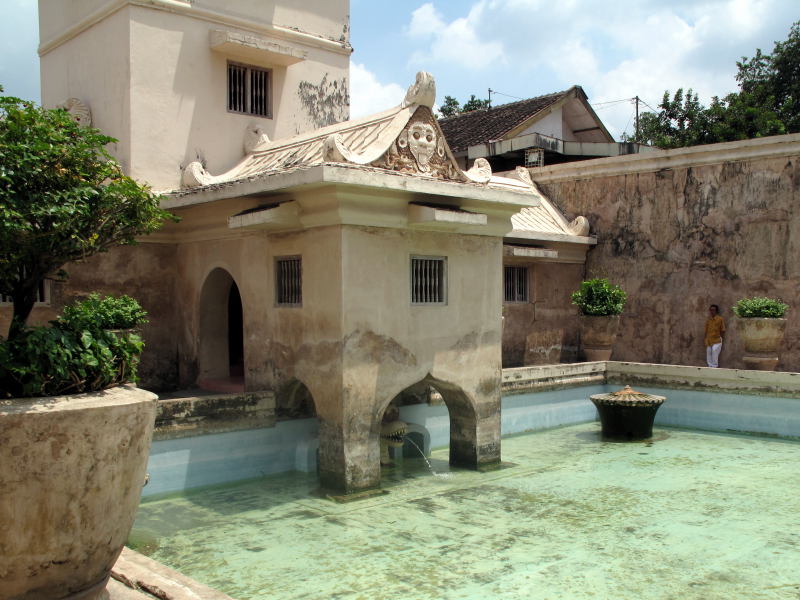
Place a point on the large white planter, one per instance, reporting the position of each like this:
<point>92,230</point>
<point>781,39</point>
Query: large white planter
<point>762,341</point>
<point>597,336</point>
<point>71,474</point>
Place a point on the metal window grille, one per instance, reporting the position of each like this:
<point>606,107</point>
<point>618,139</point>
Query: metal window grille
<point>289,281</point>
<point>428,280</point>
<point>534,157</point>
<point>42,295</point>
<point>515,282</point>
<point>248,90</point>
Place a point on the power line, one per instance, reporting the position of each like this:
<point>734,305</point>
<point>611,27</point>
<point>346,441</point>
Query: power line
<point>611,101</point>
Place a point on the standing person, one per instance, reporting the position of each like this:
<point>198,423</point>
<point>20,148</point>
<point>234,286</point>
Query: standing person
<point>715,327</point>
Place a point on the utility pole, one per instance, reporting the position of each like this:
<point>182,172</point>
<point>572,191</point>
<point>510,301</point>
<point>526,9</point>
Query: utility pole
<point>490,98</point>
<point>636,126</point>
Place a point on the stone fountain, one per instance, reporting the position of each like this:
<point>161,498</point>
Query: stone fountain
<point>627,414</point>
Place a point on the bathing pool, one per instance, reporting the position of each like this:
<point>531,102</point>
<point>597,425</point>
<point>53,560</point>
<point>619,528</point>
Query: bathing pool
<point>689,514</point>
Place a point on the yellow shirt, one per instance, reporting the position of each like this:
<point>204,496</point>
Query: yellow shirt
<point>715,327</point>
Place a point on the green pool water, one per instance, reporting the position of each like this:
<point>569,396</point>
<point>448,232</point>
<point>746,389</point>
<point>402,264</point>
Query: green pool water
<point>686,515</point>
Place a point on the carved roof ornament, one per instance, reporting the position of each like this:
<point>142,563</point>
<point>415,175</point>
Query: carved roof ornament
<point>422,92</point>
<point>78,110</point>
<point>255,139</point>
<point>579,226</point>
<point>480,172</point>
<point>420,149</point>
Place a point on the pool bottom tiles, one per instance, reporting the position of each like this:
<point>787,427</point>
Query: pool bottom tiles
<point>687,515</point>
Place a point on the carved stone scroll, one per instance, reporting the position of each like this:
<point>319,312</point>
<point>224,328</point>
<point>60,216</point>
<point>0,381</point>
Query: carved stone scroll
<point>78,110</point>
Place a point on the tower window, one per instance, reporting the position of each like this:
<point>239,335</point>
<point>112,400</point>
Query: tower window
<point>288,281</point>
<point>249,90</point>
<point>515,283</point>
<point>428,280</point>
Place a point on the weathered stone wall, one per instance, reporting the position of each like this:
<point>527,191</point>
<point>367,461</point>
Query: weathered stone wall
<point>145,272</point>
<point>543,330</point>
<point>683,229</point>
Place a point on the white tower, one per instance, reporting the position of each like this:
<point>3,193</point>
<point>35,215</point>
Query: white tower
<point>181,80</point>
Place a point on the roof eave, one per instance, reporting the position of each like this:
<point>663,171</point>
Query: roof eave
<point>325,174</point>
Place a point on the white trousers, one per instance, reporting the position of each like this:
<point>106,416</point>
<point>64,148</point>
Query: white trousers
<point>712,354</point>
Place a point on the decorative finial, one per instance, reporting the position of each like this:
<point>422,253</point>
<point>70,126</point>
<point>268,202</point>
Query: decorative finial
<point>422,92</point>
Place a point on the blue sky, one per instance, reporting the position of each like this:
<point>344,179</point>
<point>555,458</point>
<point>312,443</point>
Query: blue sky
<point>520,48</point>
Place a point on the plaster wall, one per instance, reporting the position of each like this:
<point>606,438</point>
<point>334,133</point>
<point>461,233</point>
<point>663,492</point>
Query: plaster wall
<point>152,79</point>
<point>280,343</point>
<point>682,229</point>
<point>543,330</point>
<point>145,272</point>
<point>94,67</point>
<point>551,125</point>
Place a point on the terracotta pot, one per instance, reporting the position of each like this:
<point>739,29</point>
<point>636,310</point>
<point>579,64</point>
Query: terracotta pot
<point>597,336</point>
<point>762,339</point>
<point>71,474</point>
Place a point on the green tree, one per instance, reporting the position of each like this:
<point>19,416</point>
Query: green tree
<point>767,103</point>
<point>450,107</point>
<point>474,104</point>
<point>62,198</point>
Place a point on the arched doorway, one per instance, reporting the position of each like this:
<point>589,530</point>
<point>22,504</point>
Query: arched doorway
<point>221,340</point>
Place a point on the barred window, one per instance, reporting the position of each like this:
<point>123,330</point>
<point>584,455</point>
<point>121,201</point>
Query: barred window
<point>288,281</point>
<point>515,283</point>
<point>248,90</point>
<point>42,295</point>
<point>428,280</point>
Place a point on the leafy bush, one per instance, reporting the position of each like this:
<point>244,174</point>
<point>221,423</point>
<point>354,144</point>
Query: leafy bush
<point>105,313</point>
<point>748,308</point>
<point>75,353</point>
<point>599,297</point>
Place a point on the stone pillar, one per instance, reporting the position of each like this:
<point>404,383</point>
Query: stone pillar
<point>349,457</point>
<point>475,442</point>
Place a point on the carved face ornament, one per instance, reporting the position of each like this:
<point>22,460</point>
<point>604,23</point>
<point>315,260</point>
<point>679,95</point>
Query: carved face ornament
<point>422,142</point>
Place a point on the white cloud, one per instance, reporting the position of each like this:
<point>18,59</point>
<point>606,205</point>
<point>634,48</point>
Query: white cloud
<point>456,42</point>
<point>614,50</point>
<point>368,95</point>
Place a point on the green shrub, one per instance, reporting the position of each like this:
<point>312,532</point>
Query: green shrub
<point>748,308</point>
<point>76,353</point>
<point>122,312</point>
<point>598,297</point>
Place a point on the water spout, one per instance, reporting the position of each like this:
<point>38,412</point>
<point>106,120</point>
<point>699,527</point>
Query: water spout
<point>427,462</point>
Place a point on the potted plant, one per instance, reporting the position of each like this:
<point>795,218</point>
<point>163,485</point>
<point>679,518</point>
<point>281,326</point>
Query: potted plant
<point>73,441</point>
<point>761,324</point>
<point>600,303</point>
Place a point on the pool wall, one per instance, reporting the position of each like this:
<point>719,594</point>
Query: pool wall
<point>534,398</point>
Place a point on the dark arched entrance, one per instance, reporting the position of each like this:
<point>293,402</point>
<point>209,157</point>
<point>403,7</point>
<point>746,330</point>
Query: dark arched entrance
<point>221,343</point>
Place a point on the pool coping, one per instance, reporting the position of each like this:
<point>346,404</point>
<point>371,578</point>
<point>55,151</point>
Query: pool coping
<point>520,380</point>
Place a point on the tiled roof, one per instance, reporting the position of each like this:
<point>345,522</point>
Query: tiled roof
<point>492,124</point>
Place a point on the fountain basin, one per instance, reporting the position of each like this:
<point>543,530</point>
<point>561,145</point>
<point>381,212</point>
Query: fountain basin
<point>627,414</point>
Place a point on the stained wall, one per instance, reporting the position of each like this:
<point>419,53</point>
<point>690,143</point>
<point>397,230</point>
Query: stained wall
<point>682,229</point>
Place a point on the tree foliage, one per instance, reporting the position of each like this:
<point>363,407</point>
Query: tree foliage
<point>62,198</point>
<point>767,103</point>
<point>451,107</point>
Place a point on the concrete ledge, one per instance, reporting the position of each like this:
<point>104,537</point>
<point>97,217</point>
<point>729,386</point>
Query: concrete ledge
<point>199,413</point>
<point>545,377</point>
<point>758,148</point>
<point>137,573</point>
<point>736,381</point>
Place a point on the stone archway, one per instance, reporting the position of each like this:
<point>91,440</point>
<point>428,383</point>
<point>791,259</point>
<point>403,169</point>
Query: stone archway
<point>221,334</point>
<point>473,438</point>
